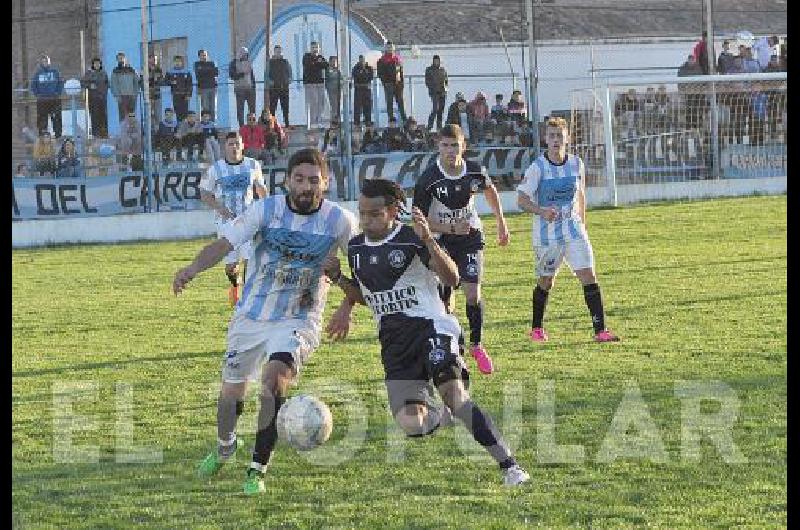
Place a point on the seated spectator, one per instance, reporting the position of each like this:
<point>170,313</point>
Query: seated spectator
<point>210,142</point>
<point>190,135</point>
<point>252,137</point>
<point>500,119</point>
<point>22,170</point>
<point>68,163</point>
<point>44,154</point>
<point>749,63</point>
<point>372,142</point>
<point>275,139</point>
<point>517,110</point>
<point>774,65</point>
<point>478,111</point>
<point>457,114</point>
<point>129,146</point>
<point>395,137</point>
<point>165,140</point>
<point>330,142</point>
<point>417,136</point>
<point>526,134</point>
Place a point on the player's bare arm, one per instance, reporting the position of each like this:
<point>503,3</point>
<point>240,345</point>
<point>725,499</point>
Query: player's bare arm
<point>261,190</point>
<point>214,204</point>
<point>441,262</point>
<point>493,199</point>
<point>582,199</point>
<point>525,203</point>
<point>207,258</point>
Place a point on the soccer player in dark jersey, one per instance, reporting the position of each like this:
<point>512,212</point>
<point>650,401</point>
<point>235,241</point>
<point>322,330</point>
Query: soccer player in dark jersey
<point>444,193</point>
<point>396,270</point>
<point>554,192</point>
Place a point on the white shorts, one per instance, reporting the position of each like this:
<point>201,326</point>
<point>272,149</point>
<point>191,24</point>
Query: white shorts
<point>576,252</point>
<point>252,342</point>
<point>245,251</point>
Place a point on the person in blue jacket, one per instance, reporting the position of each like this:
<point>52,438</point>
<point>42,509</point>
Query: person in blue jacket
<point>47,87</point>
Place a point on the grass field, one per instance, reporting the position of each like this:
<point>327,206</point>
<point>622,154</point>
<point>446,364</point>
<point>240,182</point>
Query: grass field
<point>697,290</point>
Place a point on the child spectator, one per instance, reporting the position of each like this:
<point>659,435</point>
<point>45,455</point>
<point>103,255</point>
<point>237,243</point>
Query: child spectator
<point>44,154</point>
<point>165,140</point>
<point>212,148</point>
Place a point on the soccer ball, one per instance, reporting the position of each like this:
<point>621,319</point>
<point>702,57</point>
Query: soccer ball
<point>304,422</point>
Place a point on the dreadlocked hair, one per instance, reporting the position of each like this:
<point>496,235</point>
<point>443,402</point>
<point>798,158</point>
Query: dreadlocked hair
<point>392,193</point>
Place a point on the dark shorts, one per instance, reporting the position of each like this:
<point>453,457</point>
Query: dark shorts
<point>416,358</point>
<point>467,252</point>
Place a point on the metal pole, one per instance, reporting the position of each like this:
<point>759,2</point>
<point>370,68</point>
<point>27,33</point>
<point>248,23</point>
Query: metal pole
<point>611,163</point>
<point>267,48</point>
<point>347,129</point>
<point>85,92</point>
<point>146,125</point>
<point>715,154</point>
<point>533,76</point>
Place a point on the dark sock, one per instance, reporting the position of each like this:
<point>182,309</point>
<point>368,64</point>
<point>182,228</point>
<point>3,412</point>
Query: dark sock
<point>484,432</point>
<point>232,277</point>
<point>594,301</point>
<point>475,317</point>
<point>445,292</point>
<point>267,434</point>
<point>539,305</point>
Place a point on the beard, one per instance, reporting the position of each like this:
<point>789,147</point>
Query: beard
<point>306,202</point>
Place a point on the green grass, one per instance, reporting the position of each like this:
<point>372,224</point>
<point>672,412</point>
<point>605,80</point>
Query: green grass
<point>696,289</point>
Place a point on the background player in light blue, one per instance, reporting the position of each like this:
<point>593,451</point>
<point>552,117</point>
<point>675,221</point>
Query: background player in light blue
<point>554,190</point>
<point>278,319</point>
<point>227,187</point>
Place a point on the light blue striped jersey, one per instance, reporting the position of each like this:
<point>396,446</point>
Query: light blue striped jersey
<point>232,184</point>
<point>284,275</point>
<point>557,185</point>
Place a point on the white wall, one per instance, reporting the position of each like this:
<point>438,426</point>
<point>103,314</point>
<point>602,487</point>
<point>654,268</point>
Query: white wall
<point>192,224</point>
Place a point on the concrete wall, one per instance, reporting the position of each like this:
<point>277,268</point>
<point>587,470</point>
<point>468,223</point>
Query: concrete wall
<point>187,225</point>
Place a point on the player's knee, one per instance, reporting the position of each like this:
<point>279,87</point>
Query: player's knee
<point>233,391</point>
<point>586,276</point>
<point>454,394</point>
<point>411,418</point>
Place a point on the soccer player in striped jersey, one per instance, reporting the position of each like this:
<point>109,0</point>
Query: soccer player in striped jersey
<point>554,190</point>
<point>445,194</point>
<point>278,319</point>
<point>396,270</point>
<point>227,187</point>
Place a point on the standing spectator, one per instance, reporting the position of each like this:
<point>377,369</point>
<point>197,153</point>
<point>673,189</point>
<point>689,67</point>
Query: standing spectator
<point>457,114</point>
<point>206,73</point>
<point>44,154</point>
<point>154,84</point>
<point>129,143</point>
<point>47,87</point>
<point>244,84</point>
<point>253,137</point>
<point>478,111</point>
<point>517,110</point>
<point>179,79</point>
<point>165,140</point>
<point>390,72</point>
<point>22,170</point>
<point>190,135</point>
<point>68,163</point>
<point>764,48</point>
<point>726,58</point>
<point>280,76</point>
<point>314,66</point>
<point>212,147</point>
<point>125,85</point>
<point>500,119</point>
<point>700,54</point>
<point>691,92</point>
<point>275,138</point>
<point>363,75</point>
<point>333,86</point>
<point>95,81</point>
<point>748,63</point>
<point>663,105</point>
<point>436,81</point>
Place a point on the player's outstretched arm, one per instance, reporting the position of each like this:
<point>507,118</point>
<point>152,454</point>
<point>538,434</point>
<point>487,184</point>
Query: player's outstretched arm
<point>207,258</point>
<point>440,263</point>
<point>493,198</point>
<point>526,204</point>
<point>214,204</point>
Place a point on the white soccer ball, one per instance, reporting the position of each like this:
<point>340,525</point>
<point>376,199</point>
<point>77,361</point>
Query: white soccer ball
<point>304,422</point>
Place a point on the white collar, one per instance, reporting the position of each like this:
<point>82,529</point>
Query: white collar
<point>446,175</point>
<point>391,235</point>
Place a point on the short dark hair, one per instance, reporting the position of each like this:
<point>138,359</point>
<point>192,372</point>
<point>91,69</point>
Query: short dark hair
<point>451,130</point>
<point>392,193</point>
<point>200,51</point>
<point>232,134</point>
<point>177,57</point>
<point>309,155</point>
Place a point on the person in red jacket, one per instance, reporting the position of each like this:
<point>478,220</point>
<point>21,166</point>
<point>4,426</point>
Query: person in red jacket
<point>253,137</point>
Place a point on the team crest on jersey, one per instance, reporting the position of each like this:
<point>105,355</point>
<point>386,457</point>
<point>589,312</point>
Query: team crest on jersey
<point>474,185</point>
<point>373,260</point>
<point>437,355</point>
<point>397,259</point>
<point>472,269</point>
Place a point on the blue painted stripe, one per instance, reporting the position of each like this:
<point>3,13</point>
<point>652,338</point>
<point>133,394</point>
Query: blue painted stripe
<point>269,208</point>
<point>266,284</point>
<point>282,301</point>
<point>543,237</point>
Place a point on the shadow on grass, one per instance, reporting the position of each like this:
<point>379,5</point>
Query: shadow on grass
<point>113,364</point>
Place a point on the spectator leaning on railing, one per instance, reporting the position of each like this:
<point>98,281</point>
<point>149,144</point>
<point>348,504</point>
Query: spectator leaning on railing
<point>95,81</point>
<point>726,58</point>
<point>125,85</point>
<point>68,163</point>
<point>764,48</point>
<point>47,87</point>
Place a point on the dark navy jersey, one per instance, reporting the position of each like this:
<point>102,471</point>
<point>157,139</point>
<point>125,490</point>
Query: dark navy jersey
<point>396,283</point>
<point>446,199</point>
